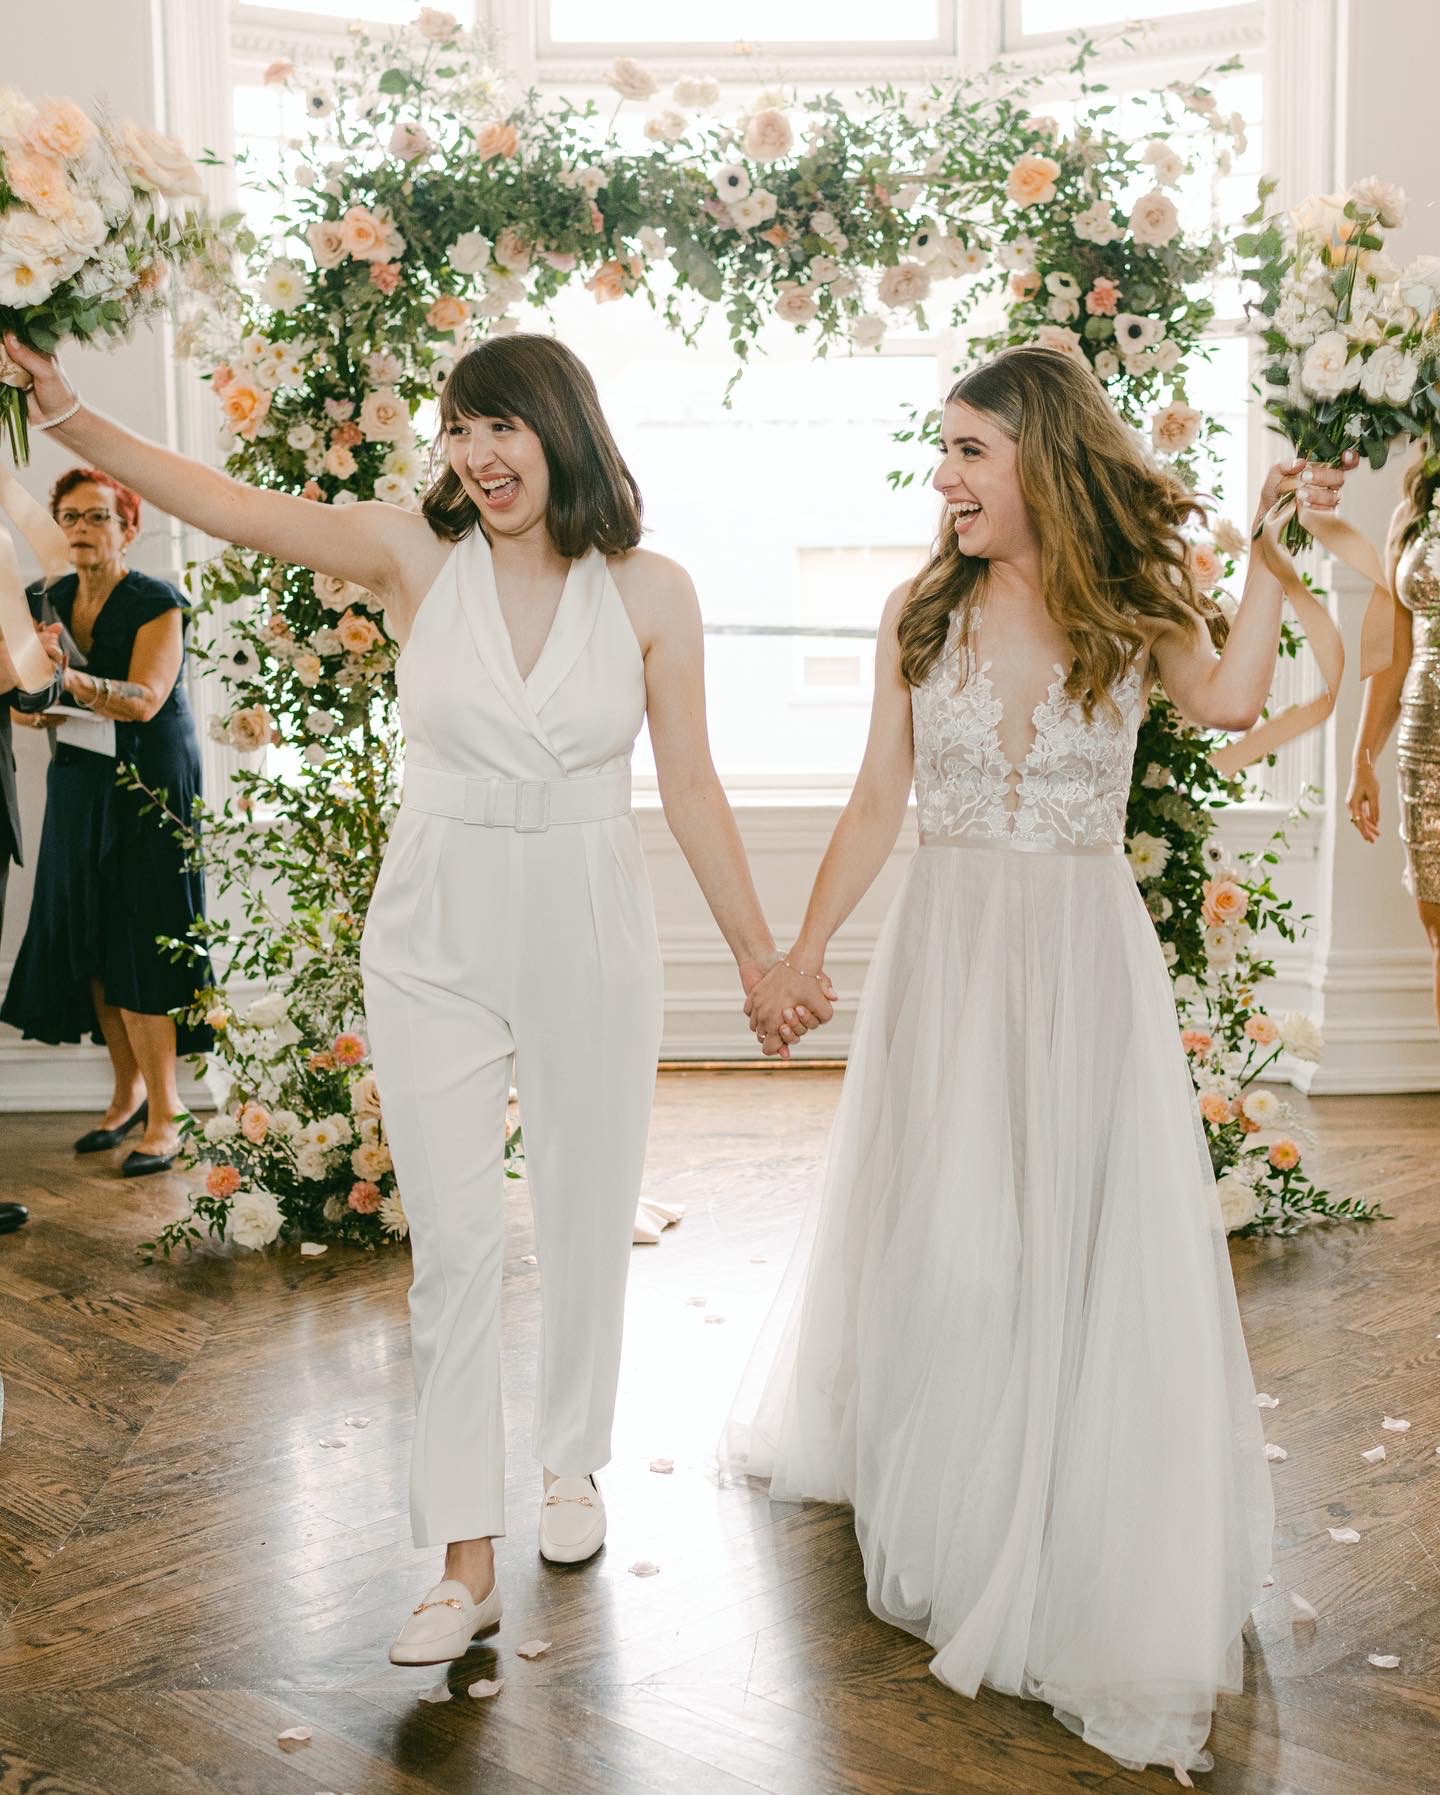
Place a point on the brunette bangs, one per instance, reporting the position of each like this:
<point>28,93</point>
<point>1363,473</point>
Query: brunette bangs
<point>594,500</point>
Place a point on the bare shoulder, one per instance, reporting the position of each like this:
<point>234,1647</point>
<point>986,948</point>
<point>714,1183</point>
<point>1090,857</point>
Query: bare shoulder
<point>645,576</point>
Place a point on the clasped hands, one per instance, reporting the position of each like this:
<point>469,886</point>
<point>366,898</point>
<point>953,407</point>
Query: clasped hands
<point>784,1002</point>
<point>49,635</point>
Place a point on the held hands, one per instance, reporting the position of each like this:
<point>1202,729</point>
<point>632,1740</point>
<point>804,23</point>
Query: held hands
<point>1315,487</point>
<point>50,392</point>
<point>1363,799</point>
<point>785,1003</point>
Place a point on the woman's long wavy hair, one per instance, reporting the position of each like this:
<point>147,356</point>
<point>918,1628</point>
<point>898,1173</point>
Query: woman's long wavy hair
<point>594,501</point>
<point>1417,496</point>
<point>1113,559</point>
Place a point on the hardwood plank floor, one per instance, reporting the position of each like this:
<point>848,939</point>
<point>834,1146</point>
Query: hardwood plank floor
<point>186,1569</point>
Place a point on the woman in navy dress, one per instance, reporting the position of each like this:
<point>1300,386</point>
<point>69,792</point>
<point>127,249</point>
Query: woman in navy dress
<point>111,879</point>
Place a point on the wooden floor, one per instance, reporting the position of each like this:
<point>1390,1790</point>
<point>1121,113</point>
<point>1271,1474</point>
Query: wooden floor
<point>187,1568</point>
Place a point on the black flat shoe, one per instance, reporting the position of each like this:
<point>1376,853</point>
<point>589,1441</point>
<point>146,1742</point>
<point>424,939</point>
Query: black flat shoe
<point>140,1165</point>
<point>101,1140</point>
<point>13,1216</point>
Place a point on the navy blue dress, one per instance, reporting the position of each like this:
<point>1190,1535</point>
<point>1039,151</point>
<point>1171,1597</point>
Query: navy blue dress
<point>109,880</point>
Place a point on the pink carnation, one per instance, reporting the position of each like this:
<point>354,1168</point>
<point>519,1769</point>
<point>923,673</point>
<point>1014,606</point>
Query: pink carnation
<point>222,1182</point>
<point>364,1197</point>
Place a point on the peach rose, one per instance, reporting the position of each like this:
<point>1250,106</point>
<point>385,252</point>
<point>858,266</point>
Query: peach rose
<point>1284,1156</point>
<point>447,313</point>
<point>277,72</point>
<point>363,235</point>
<point>1214,1108</point>
<point>796,305</point>
<point>1154,220</point>
<point>244,407</point>
<point>364,1197</point>
<point>1024,285</point>
<point>1196,1040</point>
<point>436,26</point>
<point>365,1096</point>
<point>1224,903</point>
<point>385,276</point>
<point>250,729</point>
<point>321,1061</point>
<point>371,1159</point>
<point>339,461</point>
<point>496,140</point>
<point>768,136</point>
<point>222,1182</point>
<point>357,634</point>
<point>347,435</point>
<point>1031,182</point>
<point>1262,1029</point>
<point>907,283</point>
<point>158,162</point>
<point>327,242</point>
<point>1204,566</point>
<point>348,1048</point>
<point>254,1123</point>
<point>40,182</point>
<point>607,282</point>
<point>222,376</point>
<point>1062,340</point>
<point>511,251</point>
<point>384,416</point>
<point>59,128</point>
<point>1175,428</point>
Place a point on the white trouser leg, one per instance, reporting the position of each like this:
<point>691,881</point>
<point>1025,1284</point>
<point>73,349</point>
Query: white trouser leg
<point>443,1067</point>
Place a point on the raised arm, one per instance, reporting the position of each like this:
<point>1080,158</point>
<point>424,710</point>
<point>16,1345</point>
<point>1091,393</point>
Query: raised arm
<point>1228,690</point>
<point>861,842</point>
<point>393,553</point>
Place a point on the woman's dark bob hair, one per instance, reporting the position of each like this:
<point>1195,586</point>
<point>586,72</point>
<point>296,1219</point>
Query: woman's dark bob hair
<point>594,501</point>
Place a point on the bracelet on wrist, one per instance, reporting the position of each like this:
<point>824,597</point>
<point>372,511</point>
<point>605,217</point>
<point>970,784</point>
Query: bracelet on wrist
<point>61,417</point>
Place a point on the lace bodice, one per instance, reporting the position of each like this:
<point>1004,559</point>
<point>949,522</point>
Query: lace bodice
<point>1071,789</point>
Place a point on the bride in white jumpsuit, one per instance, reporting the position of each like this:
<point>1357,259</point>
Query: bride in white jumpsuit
<point>512,914</point>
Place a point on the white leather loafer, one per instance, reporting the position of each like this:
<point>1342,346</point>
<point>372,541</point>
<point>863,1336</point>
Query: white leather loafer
<point>572,1520</point>
<point>444,1624</point>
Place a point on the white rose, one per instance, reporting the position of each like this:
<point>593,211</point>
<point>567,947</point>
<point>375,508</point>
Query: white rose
<point>1238,1205</point>
<point>1166,355</point>
<point>630,79</point>
<point>158,163</point>
<point>1154,220</point>
<point>867,330</point>
<point>385,417</point>
<point>311,1161</point>
<point>254,1218</point>
<point>1156,777</point>
<point>1301,1036</point>
<point>266,1011</point>
<point>220,1128</point>
<point>1174,428</point>
<point>1061,339</point>
<point>1389,374</point>
<point>668,126</point>
<point>907,283</point>
<point>301,436</point>
<point>1061,309</point>
<point>1386,199</point>
<point>469,253</point>
<point>697,91</point>
<point>1326,370</point>
<point>768,136</point>
<point>796,305</point>
<point>1107,364</point>
<point>1095,224</point>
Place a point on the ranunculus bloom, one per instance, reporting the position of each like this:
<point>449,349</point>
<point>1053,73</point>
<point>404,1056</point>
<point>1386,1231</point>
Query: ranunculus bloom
<point>348,1048</point>
<point>385,276</point>
<point>1214,1108</point>
<point>222,1182</point>
<point>364,1197</point>
<point>496,140</point>
<point>1262,1028</point>
<point>254,1123</point>
<point>1284,1155</point>
<point>1031,182</point>
<point>447,313</point>
<point>1196,1040</point>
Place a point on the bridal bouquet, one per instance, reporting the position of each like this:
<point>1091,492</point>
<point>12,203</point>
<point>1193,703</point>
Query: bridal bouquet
<point>1342,325</point>
<point>94,218</point>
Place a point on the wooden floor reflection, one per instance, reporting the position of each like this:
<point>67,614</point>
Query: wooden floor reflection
<point>186,1570</point>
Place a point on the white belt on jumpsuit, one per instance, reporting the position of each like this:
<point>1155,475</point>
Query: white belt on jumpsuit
<point>526,805</point>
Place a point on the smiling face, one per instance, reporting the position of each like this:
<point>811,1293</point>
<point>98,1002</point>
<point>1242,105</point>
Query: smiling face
<point>979,479</point>
<point>93,544</point>
<point>501,464</point>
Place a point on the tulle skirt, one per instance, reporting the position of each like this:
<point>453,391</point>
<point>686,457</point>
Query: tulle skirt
<point>1008,1337</point>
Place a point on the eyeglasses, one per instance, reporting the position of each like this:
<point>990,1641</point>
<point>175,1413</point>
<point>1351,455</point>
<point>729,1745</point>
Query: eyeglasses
<point>67,520</point>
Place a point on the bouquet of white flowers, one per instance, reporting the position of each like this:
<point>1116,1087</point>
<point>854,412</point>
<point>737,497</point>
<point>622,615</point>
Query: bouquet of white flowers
<point>94,217</point>
<point>1342,325</point>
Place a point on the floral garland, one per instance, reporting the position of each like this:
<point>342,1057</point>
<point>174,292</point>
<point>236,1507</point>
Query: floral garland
<point>425,206</point>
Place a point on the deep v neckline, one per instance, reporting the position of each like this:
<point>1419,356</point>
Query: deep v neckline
<point>1046,708</point>
<point>528,679</point>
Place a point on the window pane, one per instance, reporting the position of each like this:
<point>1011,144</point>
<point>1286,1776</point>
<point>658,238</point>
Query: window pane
<point>373,12</point>
<point>776,21</point>
<point>1037,16</point>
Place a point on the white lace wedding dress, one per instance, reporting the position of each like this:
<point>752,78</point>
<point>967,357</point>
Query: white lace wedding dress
<point>1009,1335</point>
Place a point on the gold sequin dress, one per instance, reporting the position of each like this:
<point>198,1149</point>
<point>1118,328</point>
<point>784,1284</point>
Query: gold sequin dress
<point>1418,751</point>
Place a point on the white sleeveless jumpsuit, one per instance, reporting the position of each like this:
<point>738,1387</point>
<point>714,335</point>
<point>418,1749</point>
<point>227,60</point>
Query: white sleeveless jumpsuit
<point>513,915</point>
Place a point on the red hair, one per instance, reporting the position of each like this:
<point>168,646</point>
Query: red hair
<point>127,503</point>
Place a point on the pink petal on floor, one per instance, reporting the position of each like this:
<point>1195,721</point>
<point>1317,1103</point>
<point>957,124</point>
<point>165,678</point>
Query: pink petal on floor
<point>644,1567</point>
<point>1304,1611</point>
<point>1344,1536</point>
<point>1262,1401</point>
<point>1181,1778</point>
<point>1275,1453</point>
<point>293,1738</point>
<point>1384,1660</point>
<point>1375,1454</point>
<point>713,1319</point>
<point>331,1441</point>
<point>1391,1425</point>
<point>485,1688</point>
<point>533,1648</point>
<point>695,1302</point>
<point>1269,1583</point>
<point>663,1465</point>
<point>440,1693</point>
<point>357,1420</point>
<point>529,1259</point>
<point>757,1258</point>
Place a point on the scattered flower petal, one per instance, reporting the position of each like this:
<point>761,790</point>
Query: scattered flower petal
<point>1375,1454</point>
<point>714,1319</point>
<point>529,1259</point>
<point>1275,1453</point>
<point>1304,1611</point>
<point>1384,1660</point>
<point>357,1420</point>
<point>440,1693</point>
<point>1344,1536</point>
<point>666,1465</point>
<point>1262,1401</point>
<point>695,1302</point>
<point>644,1567</point>
<point>1391,1425</point>
<point>1269,1583</point>
<point>1181,1777</point>
<point>312,1249</point>
<point>485,1688</point>
<point>757,1258</point>
<point>293,1738</point>
<point>332,1442</point>
<point>533,1648</point>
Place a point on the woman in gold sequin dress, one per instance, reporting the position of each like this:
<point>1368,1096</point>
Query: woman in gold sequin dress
<point>1408,692</point>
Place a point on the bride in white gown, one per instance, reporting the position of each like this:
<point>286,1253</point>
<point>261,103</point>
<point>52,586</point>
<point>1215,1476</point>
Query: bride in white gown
<point>1009,1338</point>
